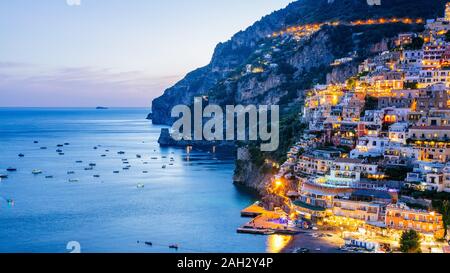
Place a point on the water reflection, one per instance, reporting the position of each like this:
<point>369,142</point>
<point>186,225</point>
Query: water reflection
<point>276,243</point>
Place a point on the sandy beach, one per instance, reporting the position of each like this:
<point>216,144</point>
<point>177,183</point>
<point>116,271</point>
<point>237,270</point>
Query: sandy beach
<point>329,243</point>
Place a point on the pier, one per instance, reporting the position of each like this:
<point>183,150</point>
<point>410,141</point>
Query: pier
<point>265,222</point>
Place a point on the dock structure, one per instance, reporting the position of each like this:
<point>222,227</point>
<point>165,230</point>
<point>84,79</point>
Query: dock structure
<point>264,222</point>
<point>253,211</point>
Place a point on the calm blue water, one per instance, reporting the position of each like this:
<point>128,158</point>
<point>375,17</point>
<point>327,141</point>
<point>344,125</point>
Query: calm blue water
<point>192,203</point>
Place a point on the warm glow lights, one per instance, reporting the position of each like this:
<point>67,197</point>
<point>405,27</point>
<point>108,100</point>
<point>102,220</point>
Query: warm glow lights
<point>276,243</point>
<point>304,30</point>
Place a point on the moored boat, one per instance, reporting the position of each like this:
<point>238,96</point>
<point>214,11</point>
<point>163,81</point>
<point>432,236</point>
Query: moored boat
<point>36,171</point>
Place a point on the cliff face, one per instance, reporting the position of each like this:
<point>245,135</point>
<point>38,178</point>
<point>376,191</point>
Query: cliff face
<point>248,174</point>
<point>235,53</point>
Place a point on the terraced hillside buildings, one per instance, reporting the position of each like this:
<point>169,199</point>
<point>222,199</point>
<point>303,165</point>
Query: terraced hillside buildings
<point>381,135</point>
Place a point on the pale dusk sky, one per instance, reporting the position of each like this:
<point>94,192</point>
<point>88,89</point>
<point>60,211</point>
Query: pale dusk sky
<point>111,52</point>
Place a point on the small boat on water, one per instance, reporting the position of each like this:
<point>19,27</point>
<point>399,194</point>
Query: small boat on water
<point>3,176</point>
<point>149,243</point>
<point>60,145</point>
<point>21,155</point>
<point>89,169</point>
<point>78,161</point>
<point>11,169</point>
<point>116,172</point>
<point>145,163</point>
<point>144,171</point>
<point>74,180</point>
<point>96,176</point>
<point>71,172</point>
<point>138,156</point>
<point>170,164</point>
<point>174,246</point>
<point>59,151</point>
<point>126,168</point>
<point>121,153</point>
<point>49,177</point>
<point>154,158</point>
<point>35,142</point>
<point>36,171</point>
<point>140,186</point>
<point>95,148</point>
<point>43,148</point>
<point>67,143</point>
<point>92,164</point>
<point>103,155</point>
<point>164,166</point>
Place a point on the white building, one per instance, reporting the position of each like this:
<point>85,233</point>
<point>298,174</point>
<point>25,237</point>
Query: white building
<point>370,146</point>
<point>398,132</point>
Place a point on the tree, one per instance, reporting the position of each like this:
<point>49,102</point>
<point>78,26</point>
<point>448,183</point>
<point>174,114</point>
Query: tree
<point>443,207</point>
<point>410,242</point>
<point>447,36</point>
<point>416,44</point>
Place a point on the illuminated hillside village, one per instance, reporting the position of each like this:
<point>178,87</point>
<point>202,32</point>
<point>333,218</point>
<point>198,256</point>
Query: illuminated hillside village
<point>373,145</point>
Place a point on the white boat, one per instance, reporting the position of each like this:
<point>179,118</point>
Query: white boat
<point>36,171</point>
<point>140,186</point>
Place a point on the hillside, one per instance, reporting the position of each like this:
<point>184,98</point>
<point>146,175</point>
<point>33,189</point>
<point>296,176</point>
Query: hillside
<point>258,66</point>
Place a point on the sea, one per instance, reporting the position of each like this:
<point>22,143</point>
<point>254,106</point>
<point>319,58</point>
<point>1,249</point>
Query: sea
<point>91,199</point>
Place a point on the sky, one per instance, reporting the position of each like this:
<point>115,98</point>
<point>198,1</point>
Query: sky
<point>84,53</point>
